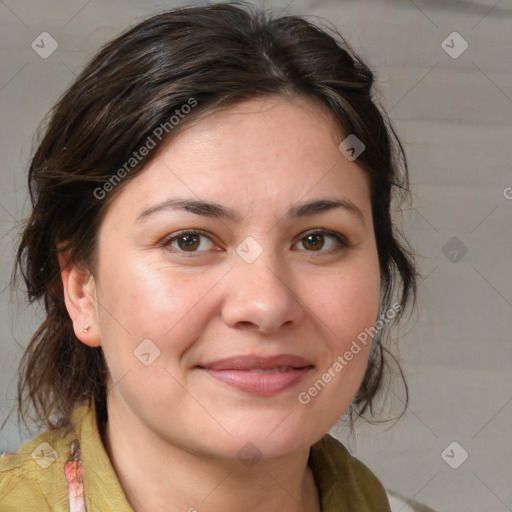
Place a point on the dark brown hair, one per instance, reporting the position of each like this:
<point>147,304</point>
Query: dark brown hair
<point>217,56</point>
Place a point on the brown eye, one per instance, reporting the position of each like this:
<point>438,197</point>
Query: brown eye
<point>187,241</point>
<point>315,241</point>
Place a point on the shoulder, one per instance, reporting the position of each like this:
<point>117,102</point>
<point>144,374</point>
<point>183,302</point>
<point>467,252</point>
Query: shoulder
<point>33,477</point>
<point>400,503</point>
<point>342,473</point>
<point>25,475</point>
<point>345,480</point>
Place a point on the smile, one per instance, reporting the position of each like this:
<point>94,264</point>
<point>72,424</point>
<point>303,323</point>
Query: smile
<point>263,376</point>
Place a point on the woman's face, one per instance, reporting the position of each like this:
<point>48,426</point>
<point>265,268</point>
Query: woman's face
<point>191,324</point>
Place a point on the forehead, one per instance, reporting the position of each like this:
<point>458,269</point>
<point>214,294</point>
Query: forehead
<point>261,151</point>
<point>272,121</point>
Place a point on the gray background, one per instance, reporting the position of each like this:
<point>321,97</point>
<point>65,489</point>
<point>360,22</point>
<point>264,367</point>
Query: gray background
<point>454,116</point>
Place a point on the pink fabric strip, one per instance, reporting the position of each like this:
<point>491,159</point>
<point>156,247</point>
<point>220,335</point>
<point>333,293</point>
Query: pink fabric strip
<point>74,476</point>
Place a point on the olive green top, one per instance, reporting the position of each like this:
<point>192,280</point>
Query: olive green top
<point>43,474</point>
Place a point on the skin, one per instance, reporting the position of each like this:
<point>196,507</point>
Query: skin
<point>174,432</point>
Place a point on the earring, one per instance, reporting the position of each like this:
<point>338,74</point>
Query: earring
<point>86,328</point>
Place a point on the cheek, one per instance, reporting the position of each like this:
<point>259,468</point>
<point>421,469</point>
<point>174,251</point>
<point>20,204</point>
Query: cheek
<point>346,311</point>
<point>349,302</point>
<point>139,301</point>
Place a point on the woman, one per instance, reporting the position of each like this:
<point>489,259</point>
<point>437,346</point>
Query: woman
<point>212,240</point>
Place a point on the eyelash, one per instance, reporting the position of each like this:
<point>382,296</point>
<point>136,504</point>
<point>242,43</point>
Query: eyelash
<point>342,242</point>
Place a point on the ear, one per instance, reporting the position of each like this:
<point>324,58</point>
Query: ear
<point>80,298</point>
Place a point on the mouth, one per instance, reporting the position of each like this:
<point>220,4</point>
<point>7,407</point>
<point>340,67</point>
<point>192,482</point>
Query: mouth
<point>263,376</point>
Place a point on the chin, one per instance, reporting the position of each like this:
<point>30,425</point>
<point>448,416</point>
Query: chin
<point>270,439</point>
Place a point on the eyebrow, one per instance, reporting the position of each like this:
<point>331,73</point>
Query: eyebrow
<point>216,210</point>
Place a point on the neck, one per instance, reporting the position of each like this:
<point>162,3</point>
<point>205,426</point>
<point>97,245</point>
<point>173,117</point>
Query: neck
<point>158,476</point>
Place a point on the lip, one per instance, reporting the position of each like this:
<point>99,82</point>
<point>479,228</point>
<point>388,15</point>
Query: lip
<point>259,375</point>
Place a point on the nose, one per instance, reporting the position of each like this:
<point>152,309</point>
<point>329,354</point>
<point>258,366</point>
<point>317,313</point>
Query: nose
<point>260,296</point>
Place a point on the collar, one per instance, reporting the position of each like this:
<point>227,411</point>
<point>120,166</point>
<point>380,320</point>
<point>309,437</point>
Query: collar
<point>344,483</point>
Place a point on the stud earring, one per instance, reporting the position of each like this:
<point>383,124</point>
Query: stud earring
<point>86,328</point>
